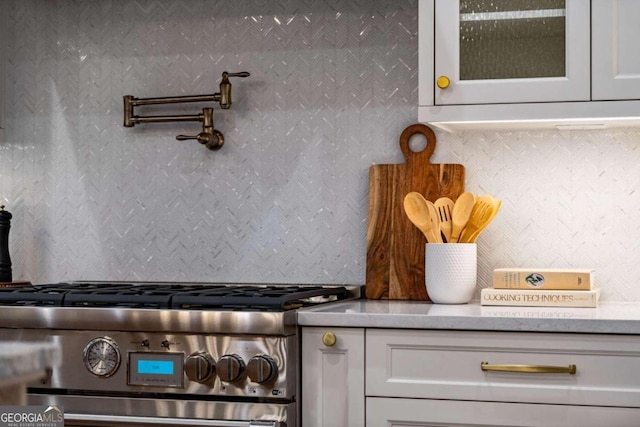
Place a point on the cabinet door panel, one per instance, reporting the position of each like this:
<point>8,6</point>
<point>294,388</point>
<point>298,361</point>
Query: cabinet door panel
<point>333,378</point>
<point>616,57</point>
<point>507,52</point>
<point>448,365</point>
<point>383,412</point>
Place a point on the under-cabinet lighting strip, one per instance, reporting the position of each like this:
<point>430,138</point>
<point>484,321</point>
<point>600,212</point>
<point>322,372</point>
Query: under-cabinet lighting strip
<point>513,14</point>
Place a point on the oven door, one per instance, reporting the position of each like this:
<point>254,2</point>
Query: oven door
<point>79,420</point>
<point>102,411</point>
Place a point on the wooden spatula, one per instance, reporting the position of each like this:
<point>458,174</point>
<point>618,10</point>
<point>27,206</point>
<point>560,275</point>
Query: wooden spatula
<point>460,215</point>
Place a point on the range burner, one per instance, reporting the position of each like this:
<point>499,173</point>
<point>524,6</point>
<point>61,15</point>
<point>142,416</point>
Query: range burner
<point>227,297</point>
<point>227,353</point>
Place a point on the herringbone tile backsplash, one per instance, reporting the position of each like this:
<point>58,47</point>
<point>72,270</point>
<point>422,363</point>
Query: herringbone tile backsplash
<point>333,83</point>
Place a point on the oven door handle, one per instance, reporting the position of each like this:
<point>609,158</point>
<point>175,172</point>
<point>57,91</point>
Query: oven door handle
<point>118,420</point>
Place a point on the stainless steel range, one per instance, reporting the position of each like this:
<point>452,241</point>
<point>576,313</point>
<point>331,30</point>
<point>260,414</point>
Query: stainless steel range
<point>149,354</point>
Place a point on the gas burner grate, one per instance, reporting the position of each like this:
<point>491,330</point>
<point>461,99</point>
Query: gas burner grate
<point>254,298</point>
<point>31,295</point>
<point>222,297</point>
<point>125,297</point>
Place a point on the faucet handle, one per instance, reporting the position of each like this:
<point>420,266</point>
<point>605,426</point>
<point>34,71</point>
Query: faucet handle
<point>213,140</point>
<point>209,137</point>
<point>239,74</point>
<point>225,87</point>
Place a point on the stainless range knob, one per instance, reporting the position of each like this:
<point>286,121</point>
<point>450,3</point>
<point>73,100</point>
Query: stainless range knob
<point>262,369</point>
<point>230,367</point>
<point>199,366</point>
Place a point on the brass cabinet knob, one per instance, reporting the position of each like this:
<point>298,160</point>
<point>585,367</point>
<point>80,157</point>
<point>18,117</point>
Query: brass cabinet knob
<point>443,82</point>
<point>329,339</point>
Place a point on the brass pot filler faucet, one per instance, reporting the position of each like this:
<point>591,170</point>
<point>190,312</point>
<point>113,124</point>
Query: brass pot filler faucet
<point>210,137</point>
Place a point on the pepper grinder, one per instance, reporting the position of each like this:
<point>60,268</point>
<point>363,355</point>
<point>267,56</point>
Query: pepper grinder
<point>5,259</point>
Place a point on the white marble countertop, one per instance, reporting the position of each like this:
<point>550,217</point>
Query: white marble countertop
<point>608,318</point>
<point>19,359</point>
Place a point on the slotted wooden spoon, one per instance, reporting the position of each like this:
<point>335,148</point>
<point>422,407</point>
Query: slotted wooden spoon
<point>495,207</point>
<point>422,213</point>
<point>484,210</point>
<point>444,206</point>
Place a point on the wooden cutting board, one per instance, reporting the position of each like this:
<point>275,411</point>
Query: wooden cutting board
<point>395,247</point>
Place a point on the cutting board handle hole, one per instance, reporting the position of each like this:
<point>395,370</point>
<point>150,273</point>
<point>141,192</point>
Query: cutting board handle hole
<point>417,143</point>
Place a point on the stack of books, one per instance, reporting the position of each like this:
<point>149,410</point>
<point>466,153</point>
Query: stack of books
<point>542,287</point>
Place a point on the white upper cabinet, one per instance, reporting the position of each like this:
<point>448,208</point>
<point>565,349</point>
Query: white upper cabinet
<point>616,66</point>
<point>529,63</point>
<point>511,51</point>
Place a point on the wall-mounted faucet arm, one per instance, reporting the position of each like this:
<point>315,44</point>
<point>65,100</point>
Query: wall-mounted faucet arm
<point>130,119</point>
<point>175,99</point>
<point>164,119</point>
<point>223,97</point>
<point>209,136</point>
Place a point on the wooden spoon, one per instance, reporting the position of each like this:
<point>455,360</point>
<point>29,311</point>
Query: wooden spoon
<point>422,213</point>
<point>460,214</point>
<point>444,206</point>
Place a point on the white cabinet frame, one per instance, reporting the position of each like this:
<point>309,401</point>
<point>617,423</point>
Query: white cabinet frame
<point>572,87</point>
<point>612,76</point>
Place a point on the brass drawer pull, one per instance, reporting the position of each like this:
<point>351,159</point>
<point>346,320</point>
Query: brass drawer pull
<point>532,369</point>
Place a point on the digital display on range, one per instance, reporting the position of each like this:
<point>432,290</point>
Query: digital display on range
<point>159,367</point>
<point>156,369</point>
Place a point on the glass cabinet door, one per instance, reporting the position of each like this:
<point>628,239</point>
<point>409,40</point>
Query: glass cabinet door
<point>502,51</point>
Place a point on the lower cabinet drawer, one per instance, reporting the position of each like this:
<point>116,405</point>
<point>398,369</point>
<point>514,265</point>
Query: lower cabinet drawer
<point>448,365</point>
<point>388,412</point>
